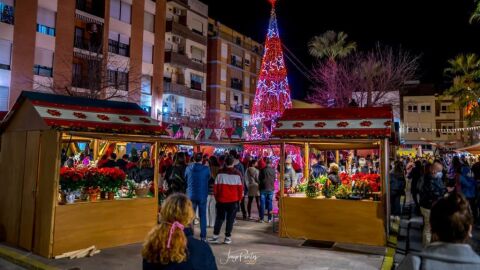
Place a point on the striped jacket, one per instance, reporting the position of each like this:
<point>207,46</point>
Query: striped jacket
<point>228,186</point>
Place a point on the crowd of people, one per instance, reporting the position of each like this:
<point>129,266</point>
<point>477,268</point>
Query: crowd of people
<point>213,189</point>
<point>220,186</point>
<point>445,191</point>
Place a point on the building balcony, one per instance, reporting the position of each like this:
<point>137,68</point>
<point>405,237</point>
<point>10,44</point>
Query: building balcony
<point>182,30</point>
<point>181,2</point>
<point>182,90</point>
<point>180,59</point>
<point>118,48</point>
<point>88,44</point>
<point>236,108</point>
<point>236,63</point>
<point>80,81</point>
<point>7,14</point>
<point>93,7</point>
<point>237,85</point>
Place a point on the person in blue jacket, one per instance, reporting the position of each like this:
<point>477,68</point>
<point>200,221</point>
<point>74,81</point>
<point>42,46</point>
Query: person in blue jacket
<point>171,245</point>
<point>197,176</point>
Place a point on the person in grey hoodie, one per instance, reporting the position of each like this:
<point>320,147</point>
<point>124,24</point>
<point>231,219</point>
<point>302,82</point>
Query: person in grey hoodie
<point>451,221</point>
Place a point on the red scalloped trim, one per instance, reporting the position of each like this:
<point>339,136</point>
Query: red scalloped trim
<point>103,117</point>
<point>366,123</point>
<point>80,115</point>
<point>54,112</point>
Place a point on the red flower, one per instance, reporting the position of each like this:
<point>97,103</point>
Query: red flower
<point>298,124</point>
<point>103,117</point>
<point>387,123</point>
<point>124,118</point>
<point>366,123</point>
<point>54,112</point>
<point>278,125</point>
<point>79,115</point>
<point>342,124</point>
<point>320,124</point>
<point>144,119</point>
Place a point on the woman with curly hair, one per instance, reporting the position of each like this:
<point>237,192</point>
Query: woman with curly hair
<point>171,245</point>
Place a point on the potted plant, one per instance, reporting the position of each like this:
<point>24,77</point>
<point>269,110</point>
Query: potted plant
<point>71,180</point>
<point>92,193</point>
<point>313,187</point>
<point>113,179</point>
<point>93,180</point>
<point>343,192</point>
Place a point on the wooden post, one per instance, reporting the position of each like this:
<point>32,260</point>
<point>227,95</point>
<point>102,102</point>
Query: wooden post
<point>384,165</point>
<point>337,156</point>
<point>281,208</point>
<point>306,156</point>
<point>95,149</point>
<point>282,169</point>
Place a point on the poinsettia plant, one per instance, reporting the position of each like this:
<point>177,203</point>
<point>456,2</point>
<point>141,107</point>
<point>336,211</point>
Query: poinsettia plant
<point>71,179</point>
<point>112,179</point>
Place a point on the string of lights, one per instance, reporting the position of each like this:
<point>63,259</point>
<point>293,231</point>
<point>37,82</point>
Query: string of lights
<point>272,95</point>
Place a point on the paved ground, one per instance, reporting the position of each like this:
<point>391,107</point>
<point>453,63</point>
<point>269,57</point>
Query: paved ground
<point>258,246</point>
<point>6,265</point>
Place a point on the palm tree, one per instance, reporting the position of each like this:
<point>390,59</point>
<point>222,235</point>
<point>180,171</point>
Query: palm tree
<point>331,45</point>
<point>466,66</point>
<point>476,13</point>
<point>464,71</point>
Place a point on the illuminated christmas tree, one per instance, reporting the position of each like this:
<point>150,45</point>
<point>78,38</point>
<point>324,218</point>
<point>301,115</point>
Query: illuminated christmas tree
<point>272,95</point>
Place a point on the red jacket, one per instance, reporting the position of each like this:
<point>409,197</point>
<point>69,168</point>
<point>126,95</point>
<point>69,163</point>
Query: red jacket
<point>228,186</point>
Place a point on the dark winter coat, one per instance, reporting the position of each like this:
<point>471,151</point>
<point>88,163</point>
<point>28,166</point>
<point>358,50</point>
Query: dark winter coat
<point>175,177</point>
<point>432,190</point>
<point>267,179</point>
<point>197,176</point>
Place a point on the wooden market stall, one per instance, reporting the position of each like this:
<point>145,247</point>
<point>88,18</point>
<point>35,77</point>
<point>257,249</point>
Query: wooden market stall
<point>337,220</point>
<point>33,133</point>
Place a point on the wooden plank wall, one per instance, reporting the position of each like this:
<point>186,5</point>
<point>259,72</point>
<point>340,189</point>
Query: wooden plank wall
<point>11,181</point>
<point>342,221</point>
<point>46,192</point>
<point>103,223</point>
<point>30,177</point>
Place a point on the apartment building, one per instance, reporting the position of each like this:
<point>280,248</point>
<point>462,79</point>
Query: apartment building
<point>425,109</point>
<point>185,71</point>
<point>234,62</point>
<point>116,46</point>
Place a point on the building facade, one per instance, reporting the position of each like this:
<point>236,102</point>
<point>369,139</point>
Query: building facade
<point>114,47</point>
<point>234,62</point>
<point>424,109</point>
<point>185,71</point>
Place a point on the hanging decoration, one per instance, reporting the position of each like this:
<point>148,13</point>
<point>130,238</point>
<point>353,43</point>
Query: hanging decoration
<point>272,95</point>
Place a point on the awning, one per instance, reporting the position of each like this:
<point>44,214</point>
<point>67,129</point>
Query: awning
<point>83,114</point>
<point>472,149</point>
<point>372,122</point>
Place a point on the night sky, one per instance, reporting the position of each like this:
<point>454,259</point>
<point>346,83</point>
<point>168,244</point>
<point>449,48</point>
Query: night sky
<point>437,30</point>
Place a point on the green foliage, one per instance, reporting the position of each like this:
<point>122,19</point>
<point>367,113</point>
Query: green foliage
<point>476,13</point>
<point>343,191</point>
<point>331,45</point>
<point>464,72</point>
